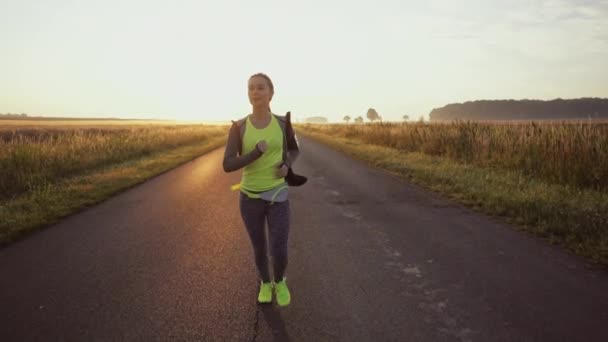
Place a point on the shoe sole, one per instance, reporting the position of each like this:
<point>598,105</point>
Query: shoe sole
<point>265,302</point>
<point>284,304</point>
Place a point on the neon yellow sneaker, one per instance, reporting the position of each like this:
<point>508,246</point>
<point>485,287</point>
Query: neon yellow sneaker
<point>283,295</point>
<point>265,295</point>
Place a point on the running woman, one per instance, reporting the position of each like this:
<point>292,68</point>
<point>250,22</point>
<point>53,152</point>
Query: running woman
<point>264,145</point>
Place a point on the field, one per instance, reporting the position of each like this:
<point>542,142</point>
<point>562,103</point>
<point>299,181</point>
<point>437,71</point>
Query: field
<point>63,123</point>
<point>569,153</point>
<point>33,157</point>
<point>91,123</point>
<point>53,168</point>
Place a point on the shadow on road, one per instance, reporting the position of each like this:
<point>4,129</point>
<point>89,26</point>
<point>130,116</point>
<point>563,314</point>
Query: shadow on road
<point>273,317</point>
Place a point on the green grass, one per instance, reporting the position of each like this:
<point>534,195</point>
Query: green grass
<point>47,202</point>
<point>573,217</point>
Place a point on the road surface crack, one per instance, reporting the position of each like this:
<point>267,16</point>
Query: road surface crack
<point>256,323</point>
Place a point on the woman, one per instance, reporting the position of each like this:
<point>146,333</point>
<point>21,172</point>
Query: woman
<point>265,146</point>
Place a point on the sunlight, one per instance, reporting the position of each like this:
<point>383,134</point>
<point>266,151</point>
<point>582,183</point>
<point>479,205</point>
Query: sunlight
<point>192,61</point>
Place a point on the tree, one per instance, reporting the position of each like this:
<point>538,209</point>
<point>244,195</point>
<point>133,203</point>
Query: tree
<point>406,117</point>
<point>346,118</point>
<point>359,119</point>
<point>372,115</point>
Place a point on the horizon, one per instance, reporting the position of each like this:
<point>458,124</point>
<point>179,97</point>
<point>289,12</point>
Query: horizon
<point>398,57</point>
<point>298,119</point>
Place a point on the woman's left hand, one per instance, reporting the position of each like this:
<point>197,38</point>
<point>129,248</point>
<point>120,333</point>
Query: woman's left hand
<point>282,170</point>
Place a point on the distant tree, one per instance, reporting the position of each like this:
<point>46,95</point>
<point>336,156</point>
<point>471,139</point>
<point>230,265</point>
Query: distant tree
<point>346,118</point>
<point>372,115</point>
<point>406,117</point>
<point>359,119</point>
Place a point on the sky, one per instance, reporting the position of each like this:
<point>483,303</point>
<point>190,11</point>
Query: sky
<point>190,60</point>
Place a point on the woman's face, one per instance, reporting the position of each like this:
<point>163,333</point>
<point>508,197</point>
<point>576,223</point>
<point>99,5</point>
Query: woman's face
<point>259,92</point>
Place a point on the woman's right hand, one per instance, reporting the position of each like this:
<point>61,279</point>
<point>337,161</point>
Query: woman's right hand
<point>261,146</point>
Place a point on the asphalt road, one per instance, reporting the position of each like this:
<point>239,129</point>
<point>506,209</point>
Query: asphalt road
<point>371,258</point>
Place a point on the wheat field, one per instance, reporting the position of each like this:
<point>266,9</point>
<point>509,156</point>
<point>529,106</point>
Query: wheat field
<point>31,157</point>
<point>568,153</point>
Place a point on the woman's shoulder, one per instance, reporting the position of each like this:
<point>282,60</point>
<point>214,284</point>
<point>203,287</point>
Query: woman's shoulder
<point>283,118</point>
<point>241,121</point>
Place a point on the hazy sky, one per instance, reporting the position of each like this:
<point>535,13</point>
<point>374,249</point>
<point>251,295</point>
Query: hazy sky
<point>191,59</point>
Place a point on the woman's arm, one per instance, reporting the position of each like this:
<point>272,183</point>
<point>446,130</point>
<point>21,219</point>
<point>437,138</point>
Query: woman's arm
<point>232,161</point>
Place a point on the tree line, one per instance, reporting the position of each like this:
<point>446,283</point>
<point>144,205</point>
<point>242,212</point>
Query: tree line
<point>11,115</point>
<point>583,108</point>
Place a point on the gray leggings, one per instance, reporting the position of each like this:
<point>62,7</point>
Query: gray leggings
<point>255,212</point>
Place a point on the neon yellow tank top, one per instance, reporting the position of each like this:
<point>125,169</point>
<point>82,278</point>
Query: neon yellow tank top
<point>261,174</point>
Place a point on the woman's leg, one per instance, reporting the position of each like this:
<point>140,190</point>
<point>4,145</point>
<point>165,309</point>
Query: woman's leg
<point>278,228</point>
<point>253,212</point>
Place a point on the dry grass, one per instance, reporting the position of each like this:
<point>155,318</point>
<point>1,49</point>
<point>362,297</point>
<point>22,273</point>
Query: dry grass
<point>33,157</point>
<point>568,153</point>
